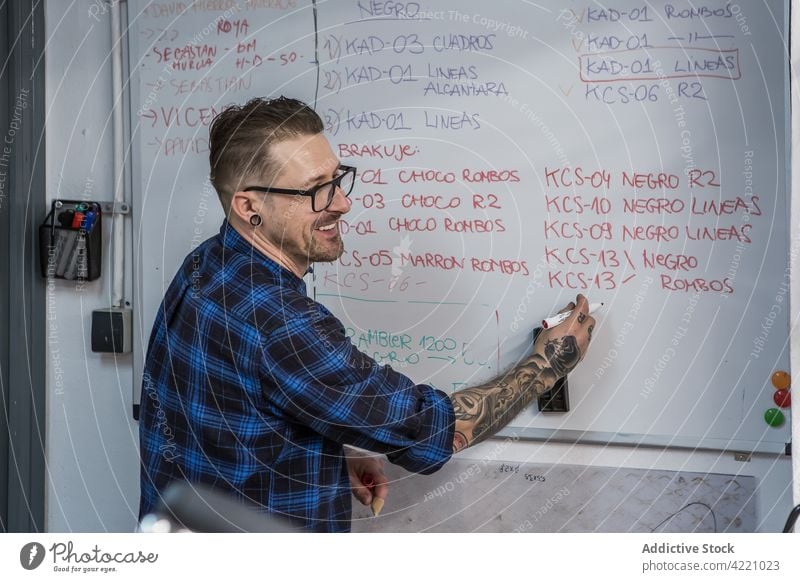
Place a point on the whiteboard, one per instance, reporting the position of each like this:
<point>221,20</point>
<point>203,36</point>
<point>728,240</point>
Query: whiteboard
<point>508,159</point>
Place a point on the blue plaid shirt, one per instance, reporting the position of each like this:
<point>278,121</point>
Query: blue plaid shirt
<point>252,387</point>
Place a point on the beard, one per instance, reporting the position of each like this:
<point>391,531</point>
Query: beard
<point>325,252</point>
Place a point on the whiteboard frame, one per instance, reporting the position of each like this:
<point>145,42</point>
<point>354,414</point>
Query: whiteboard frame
<point>641,440</point>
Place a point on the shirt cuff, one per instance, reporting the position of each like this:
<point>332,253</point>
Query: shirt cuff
<point>433,444</point>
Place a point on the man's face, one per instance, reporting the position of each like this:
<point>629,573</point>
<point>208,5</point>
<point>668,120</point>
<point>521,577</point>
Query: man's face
<point>290,224</point>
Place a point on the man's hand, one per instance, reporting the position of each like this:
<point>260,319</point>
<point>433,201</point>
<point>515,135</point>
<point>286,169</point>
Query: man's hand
<point>367,479</point>
<point>564,345</point>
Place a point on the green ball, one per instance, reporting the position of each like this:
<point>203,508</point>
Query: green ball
<point>774,417</point>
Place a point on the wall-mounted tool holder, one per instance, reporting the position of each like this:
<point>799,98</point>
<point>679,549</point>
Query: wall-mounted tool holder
<point>70,240</point>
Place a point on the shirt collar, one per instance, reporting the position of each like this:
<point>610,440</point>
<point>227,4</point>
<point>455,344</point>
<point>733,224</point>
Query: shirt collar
<point>231,240</point>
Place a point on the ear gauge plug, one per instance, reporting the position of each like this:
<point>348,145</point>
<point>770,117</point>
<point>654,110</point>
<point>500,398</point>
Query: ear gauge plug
<point>255,220</point>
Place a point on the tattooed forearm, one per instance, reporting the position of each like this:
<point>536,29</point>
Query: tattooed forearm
<point>487,408</point>
<point>483,410</point>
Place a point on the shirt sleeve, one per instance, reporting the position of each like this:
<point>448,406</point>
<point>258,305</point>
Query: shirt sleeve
<point>315,375</point>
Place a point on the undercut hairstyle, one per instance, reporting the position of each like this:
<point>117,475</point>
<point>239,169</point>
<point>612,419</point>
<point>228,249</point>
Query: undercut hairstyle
<point>240,140</point>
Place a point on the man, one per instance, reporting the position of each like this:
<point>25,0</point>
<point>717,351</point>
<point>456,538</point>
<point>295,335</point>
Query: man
<point>252,387</point>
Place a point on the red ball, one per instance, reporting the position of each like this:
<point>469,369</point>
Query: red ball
<point>782,398</point>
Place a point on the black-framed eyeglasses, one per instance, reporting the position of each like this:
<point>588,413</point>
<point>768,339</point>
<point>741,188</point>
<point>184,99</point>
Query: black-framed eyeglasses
<point>321,195</point>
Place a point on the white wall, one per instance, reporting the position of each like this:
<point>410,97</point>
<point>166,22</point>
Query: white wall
<point>795,244</point>
<point>91,438</point>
